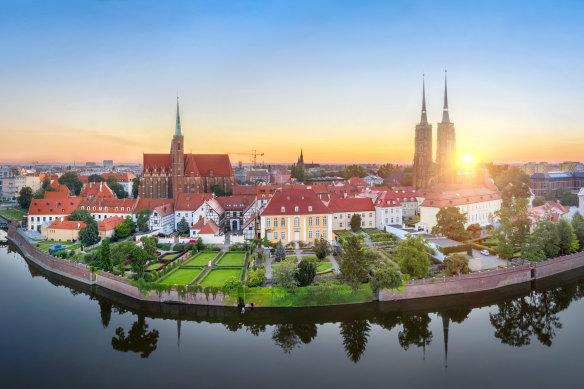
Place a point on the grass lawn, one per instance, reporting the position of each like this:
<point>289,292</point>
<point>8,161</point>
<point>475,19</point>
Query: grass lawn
<point>323,266</point>
<point>201,259</point>
<point>232,259</point>
<point>155,266</point>
<point>181,276</point>
<point>218,277</point>
<point>310,257</point>
<point>292,258</point>
<point>169,256</point>
<point>13,213</point>
<point>74,247</point>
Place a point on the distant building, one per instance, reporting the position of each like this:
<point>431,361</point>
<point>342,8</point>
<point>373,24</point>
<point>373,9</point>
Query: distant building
<point>279,176</point>
<point>108,163</point>
<point>304,165</point>
<point>568,166</point>
<point>90,164</point>
<point>11,186</point>
<point>373,180</point>
<point>257,175</point>
<point>544,183</point>
<point>536,167</point>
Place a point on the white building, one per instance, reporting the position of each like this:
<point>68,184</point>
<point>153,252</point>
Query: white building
<point>343,210</point>
<point>191,206</point>
<point>388,210</point>
<point>373,180</point>
<point>11,186</point>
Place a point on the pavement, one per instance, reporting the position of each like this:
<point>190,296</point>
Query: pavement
<point>489,261</point>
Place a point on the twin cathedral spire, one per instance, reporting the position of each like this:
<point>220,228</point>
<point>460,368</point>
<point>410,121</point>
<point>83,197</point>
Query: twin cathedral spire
<point>445,115</point>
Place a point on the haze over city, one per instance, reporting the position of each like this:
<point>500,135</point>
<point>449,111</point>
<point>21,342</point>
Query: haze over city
<point>86,81</point>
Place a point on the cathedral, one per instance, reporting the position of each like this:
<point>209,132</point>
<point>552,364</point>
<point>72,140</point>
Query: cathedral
<point>426,172</point>
<point>167,175</point>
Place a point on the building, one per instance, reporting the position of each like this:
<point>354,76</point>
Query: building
<point>62,230</point>
<point>373,180</point>
<point>279,176</point>
<point>343,210</point>
<point>108,163</point>
<point>296,215</point>
<point>536,167</point>
<point>191,206</point>
<point>43,212</point>
<point>258,175</point>
<point>106,227</point>
<point>358,183</point>
<point>568,166</point>
<point>105,208</point>
<point>388,210</point>
<point>11,186</point>
<point>161,214</point>
<point>249,227</point>
<point>5,172</point>
<point>237,209</point>
<point>210,233</point>
<point>581,201</point>
<point>423,165</point>
<point>304,165</point>
<point>446,145</point>
<point>550,210</point>
<point>544,183</point>
<point>167,175</point>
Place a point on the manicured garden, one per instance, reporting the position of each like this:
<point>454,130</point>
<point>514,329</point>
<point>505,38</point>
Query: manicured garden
<point>181,276</point>
<point>168,257</point>
<point>323,266</point>
<point>202,259</point>
<point>13,213</point>
<point>233,259</point>
<point>155,266</point>
<point>218,277</point>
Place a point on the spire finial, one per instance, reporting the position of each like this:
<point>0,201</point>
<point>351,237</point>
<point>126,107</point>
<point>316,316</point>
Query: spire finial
<point>424,119</point>
<point>445,116</point>
<point>177,129</point>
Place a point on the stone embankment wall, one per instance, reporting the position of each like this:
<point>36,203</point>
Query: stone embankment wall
<point>81,272</point>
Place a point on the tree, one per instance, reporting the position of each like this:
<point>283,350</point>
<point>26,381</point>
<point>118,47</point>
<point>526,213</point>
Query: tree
<point>386,170</point>
<point>200,245</point>
<point>354,171</point>
<point>450,223</point>
<point>407,179</point>
<point>356,222</point>
<point>123,230</point>
<point>89,235</point>
<point>81,215</point>
<point>105,255</point>
<point>532,252</point>
<point>137,257</point>
<point>138,339</point>
<point>412,254</point>
<point>135,187</point>
<point>218,190</point>
<point>321,248</point>
<point>24,197</point>
<point>456,264</point>
<point>142,219</point>
<point>474,230</point>
<point>306,272</point>
<point>514,228</point>
<point>546,235</point>
<point>297,172</point>
<point>567,236</point>
<point>538,201</point>
<point>567,198</point>
<point>355,334</point>
<point>513,182</point>
<point>386,277</point>
<point>353,264</point>
<point>116,187</point>
<point>182,226</point>
<point>71,180</point>
<point>46,185</point>
<point>95,178</point>
<point>149,243</point>
<point>280,254</point>
<point>284,275</point>
<point>578,225</point>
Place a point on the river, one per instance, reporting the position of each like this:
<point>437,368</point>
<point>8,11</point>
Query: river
<point>57,334</point>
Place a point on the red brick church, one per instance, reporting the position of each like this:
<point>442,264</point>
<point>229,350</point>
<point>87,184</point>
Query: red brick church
<point>166,175</point>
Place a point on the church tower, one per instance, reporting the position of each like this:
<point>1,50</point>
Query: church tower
<point>423,148</point>
<point>446,145</point>
<point>178,157</point>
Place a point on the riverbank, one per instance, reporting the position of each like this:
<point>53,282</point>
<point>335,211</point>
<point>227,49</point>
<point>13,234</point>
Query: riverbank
<point>418,289</point>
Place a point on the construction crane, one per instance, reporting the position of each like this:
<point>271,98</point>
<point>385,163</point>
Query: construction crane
<point>255,155</point>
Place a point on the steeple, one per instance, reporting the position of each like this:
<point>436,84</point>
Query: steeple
<point>177,129</point>
<point>424,119</point>
<point>445,116</point>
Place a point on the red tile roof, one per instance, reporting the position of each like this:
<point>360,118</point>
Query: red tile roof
<point>198,225</point>
<point>209,228</point>
<point>164,209</point>
<point>60,188</point>
<point>157,161</point>
<point>63,206</point>
<point>387,199</point>
<point>288,199</point>
<point>234,203</point>
<point>67,225</point>
<point>151,204</point>
<point>110,223</point>
<point>208,165</point>
<point>115,205</point>
<point>97,190</point>
<point>357,181</point>
<point>244,190</point>
<point>351,205</point>
<point>452,195</point>
<point>191,201</point>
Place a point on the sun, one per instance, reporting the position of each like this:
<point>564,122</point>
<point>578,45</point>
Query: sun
<point>467,158</point>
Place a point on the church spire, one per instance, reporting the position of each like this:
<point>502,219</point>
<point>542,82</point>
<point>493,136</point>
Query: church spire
<point>177,129</point>
<point>424,119</point>
<point>445,116</point>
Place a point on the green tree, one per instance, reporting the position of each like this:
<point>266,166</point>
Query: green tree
<point>412,254</point>
<point>280,254</point>
<point>513,182</point>
<point>24,197</point>
<point>200,245</point>
<point>135,187</point>
<point>116,187</point>
<point>387,169</point>
<point>81,215</point>
<point>89,235</point>
<point>532,252</point>
<point>105,255</point>
<point>321,248</point>
<point>306,272</point>
<point>256,277</point>
<point>46,185</point>
<point>578,225</point>
<point>456,264</point>
<point>356,222</point>
<point>284,275</point>
<point>95,178</point>
<point>142,219</point>
<point>538,201</point>
<point>354,171</point>
<point>149,243</point>
<point>474,230</point>
<point>138,258</point>
<point>567,236</point>
<point>546,234</point>
<point>450,223</point>
<point>567,198</point>
<point>71,180</point>
<point>407,179</point>
<point>514,226</point>
<point>183,226</point>
<point>297,172</point>
<point>353,264</point>
<point>123,230</point>
<point>384,277</point>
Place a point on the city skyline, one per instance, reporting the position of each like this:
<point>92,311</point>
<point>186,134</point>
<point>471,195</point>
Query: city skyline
<point>339,80</point>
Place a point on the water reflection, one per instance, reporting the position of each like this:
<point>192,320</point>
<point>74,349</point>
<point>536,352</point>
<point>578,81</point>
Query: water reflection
<point>289,336</point>
<point>138,340</point>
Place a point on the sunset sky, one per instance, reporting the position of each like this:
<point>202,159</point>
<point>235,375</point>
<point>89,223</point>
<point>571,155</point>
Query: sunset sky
<point>91,80</point>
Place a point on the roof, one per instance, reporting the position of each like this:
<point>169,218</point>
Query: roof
<point>60,188</point>
<point>357,181</point>
<point>151,204</point>
<point>67,225</point>
<point>63,206</point>
<point>198,225</point>
<point>248,221</point>
<point>350,205</point>
<point>209,228</point>
<point>97,190</point>
<point>215,206</point>
<point>115,205</point>
<point>446,196</point>
<point>164,209</point>
<point>110,223</point>
<point>285,201</point>
<point>191,201</point>
<point>157,161</point>
<point>233,203</point>
<point>387,199</point>
<point>244,190</point>
<point>208,165</point>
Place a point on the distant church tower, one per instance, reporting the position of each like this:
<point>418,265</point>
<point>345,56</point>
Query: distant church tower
<point>178,157</point>
<point>446,145</point>
<point>300,159</point>
<point>423,148</point>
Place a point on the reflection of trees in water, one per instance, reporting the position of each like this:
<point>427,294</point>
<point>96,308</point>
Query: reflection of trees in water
<point>355,334</point>
<point>105,312</point>
<point>517,321</point>
<point>138,339</point>
<point>291,335</point>
<point>415,330</point>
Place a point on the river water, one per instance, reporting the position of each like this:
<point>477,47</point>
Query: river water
<point>55,334</point>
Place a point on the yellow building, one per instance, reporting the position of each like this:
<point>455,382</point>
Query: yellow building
<point>63,230</point>
<point>296,215</point>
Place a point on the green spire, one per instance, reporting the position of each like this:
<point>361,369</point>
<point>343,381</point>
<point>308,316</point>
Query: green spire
<point>177,129</point>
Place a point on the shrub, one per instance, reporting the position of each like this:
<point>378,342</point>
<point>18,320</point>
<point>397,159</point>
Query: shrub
<point>256,277</point>
<point>456,264</point>
<point>306,272</point>
<point>211,247</point>
<point>178,247</point>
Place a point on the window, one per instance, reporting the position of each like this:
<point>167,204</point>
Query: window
<point>310,221</point>
<point>318,220</point>
<point>268,222</point>
<point>296,209</point>
<point>283,234</point>
<point>276,235</point>
<point>324,234</point>
<point>310,208</point>
<point>296,222</point>
<point>269,235</point>
<point>283,222</point>
<point>275,223</point>
<point>310,234</point>
<point>317,234</point>
<point>324,220</point>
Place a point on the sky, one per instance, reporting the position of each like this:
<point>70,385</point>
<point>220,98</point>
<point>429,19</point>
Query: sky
<point>91,80</point>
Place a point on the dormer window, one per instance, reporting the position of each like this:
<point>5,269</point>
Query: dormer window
<point>296,209</point>
<point>310,208</point>
<point>283,209</point>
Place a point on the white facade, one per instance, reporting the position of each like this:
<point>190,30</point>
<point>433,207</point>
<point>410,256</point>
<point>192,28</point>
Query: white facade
<point>11,186</point>
<point>387,216</point>
<point>162,223</point>
<point>35,222</point>
<point>581,201</point>
<point>342,220</point>
<point>373,180</point>
<point>191,216</point>
<point>482,213</point>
